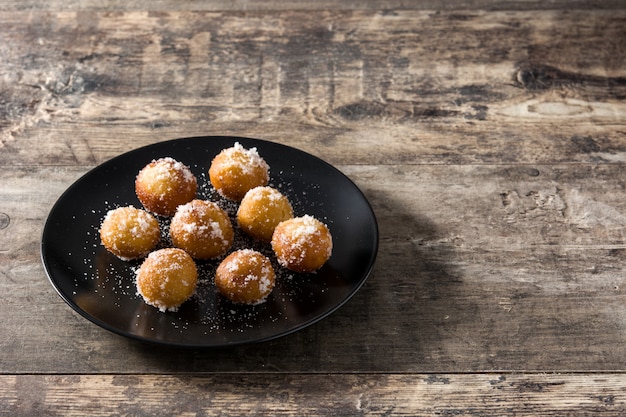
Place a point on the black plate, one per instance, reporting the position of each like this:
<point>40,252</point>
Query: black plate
<point>101,287</point>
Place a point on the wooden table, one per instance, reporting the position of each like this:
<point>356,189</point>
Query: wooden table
<point>489,138</point>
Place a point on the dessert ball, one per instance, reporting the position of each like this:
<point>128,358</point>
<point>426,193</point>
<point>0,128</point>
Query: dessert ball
<point>245,276</point>
<point>260,211</point>
<point>236,170</point>
<point>129,232</point>
<point>167,278</point>
<point>302,244</point>
<point>164,184</point>
<point>202,229</point>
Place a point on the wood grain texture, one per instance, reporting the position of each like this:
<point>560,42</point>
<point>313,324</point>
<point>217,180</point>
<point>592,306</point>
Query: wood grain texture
<point>434,87</point>
<point>489,137</point>
<point>318,395</point>
<point>261,5</point>
<point>527,276</point>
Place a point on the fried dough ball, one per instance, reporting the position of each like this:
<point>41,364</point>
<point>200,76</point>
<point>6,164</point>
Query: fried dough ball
<point>236,170</point>
<point>246,277</point>
<point>302,244</point>
<point>202,228</point>
<point>129,232</point>
<point>260,211</point>
<point>167,278</point>
<point>164,184</point>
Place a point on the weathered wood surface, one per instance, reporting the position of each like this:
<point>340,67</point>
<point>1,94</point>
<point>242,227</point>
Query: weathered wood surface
<point>434,88</point>
<point>489,137</point>
<point>527,275</point>
<point>319,395</point>
<point>273,5</point>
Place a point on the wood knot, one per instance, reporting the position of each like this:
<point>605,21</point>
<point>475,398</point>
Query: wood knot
<point>399,111</point>
<point>4,221</point>
<point>360,110</point>
<point>544,77</point>
<point>539,77</point>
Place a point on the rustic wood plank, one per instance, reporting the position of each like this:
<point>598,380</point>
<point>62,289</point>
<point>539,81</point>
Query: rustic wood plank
<point>437,326</point>
<point>503,207</point>
<point>323,395</point>
<point>77,85</point>
<point>254,5</point>
<point>364,144</point>
<point>480,268</point>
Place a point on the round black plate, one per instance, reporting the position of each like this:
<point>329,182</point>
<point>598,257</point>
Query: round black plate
<point>101,287</point>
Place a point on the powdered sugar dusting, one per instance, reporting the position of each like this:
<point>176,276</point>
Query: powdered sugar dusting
<point>212,310</point>
<point>168,167</point>
<point>251,157</point>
